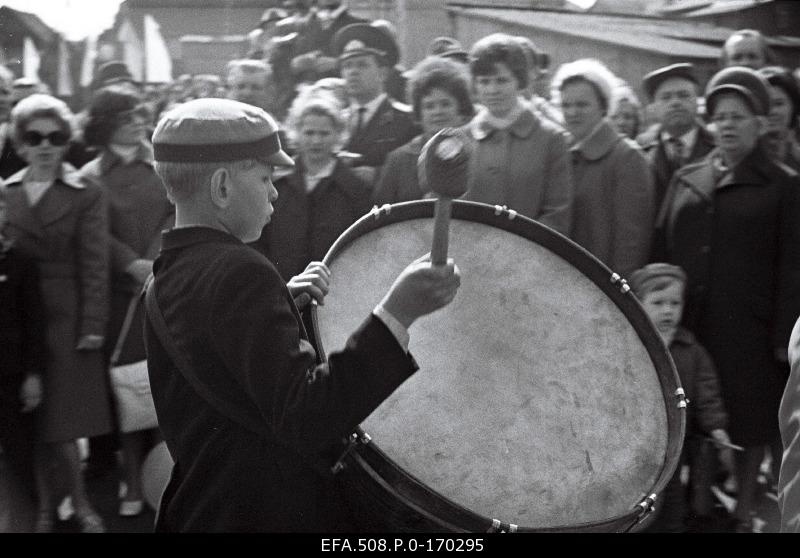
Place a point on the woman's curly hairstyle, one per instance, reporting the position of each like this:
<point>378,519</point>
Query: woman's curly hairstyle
<point>108,104</point>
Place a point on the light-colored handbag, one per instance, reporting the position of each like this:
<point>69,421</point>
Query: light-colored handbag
<point>131,385</point>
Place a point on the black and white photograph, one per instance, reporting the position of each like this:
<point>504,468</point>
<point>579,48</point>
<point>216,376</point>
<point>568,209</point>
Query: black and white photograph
<point>400,275</point>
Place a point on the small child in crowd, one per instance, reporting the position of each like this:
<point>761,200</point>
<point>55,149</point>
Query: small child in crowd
<point>660,289</point>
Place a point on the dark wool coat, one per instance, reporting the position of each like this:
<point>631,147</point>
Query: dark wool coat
<point>399,180</point>
<point>138,211</point>
<point>737,237</point>
<point>231,315</point>
<point>660,164</point>
<point>706,410</point>
<point>391,126</point>
<point>305,224</point>
<point>66,233</point>
<point>22,352</point>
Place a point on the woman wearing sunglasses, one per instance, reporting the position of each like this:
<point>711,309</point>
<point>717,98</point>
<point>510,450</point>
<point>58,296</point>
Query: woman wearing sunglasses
<point>138,210</point>
<point>60,222</point>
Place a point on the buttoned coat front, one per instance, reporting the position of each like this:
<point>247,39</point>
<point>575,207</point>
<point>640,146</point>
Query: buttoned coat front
<point>66,234</point>
<point>614,208</point>
<point>737,237</point>
<point>525,167</point>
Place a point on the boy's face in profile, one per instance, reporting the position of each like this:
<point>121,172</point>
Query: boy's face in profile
<point>665,307</point>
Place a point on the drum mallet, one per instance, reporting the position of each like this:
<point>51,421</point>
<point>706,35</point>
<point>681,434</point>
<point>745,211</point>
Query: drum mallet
<point>443,167</point>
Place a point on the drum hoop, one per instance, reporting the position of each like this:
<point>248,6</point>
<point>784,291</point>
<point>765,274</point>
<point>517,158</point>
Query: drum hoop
<point>614,286</point>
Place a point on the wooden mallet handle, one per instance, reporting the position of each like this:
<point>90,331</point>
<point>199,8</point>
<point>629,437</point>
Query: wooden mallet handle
<point>443,168</point>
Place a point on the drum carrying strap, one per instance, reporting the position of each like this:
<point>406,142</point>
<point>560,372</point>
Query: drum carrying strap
<point>182,364</point>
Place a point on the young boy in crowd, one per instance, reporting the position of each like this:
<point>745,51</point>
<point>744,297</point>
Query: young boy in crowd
<point>660,289</point>
<point>22,353</point>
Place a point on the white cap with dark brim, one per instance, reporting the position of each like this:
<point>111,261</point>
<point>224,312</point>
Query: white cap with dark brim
<point>218,130</point>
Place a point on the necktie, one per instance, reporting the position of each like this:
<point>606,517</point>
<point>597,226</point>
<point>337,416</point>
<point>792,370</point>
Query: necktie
<point>359,121</point>
<point>678,154</point>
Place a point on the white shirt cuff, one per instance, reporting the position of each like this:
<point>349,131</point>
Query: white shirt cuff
<point>395,327</point>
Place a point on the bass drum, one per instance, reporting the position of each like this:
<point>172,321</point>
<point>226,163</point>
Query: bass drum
<point>546,400</point>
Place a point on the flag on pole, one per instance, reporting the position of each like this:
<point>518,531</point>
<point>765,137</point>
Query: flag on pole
<point>64,84</point>
<point>132,49</point>
<point>87,65</point>
<point>158,63</point>
<point>30,59</point>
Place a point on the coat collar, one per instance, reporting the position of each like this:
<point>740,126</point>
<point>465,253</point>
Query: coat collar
<point>183,237</point>
<point>67,175</point>
<point>708,175</point>
<point>599,143</point>
<point>109,159</point>
<point>521,128</point>
<point>683,336</point>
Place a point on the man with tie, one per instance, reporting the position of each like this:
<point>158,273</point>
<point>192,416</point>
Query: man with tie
<point>378,124</point>
<point>680,137</point>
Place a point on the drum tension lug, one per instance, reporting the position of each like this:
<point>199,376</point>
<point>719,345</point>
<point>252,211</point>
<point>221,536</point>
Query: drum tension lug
<point>376,211</point>
<point>623,284</point>
<point>353,440</point>
<point>646,506</point>
<point>500,527</point>
<point>680,395</point>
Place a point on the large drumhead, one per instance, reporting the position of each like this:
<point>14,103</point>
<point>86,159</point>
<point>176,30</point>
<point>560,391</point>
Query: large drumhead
<point>537,403</point>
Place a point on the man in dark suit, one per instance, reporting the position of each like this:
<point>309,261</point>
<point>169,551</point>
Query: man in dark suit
<point>378,124</point>
<point>680,137</point>
<point>248,410</point>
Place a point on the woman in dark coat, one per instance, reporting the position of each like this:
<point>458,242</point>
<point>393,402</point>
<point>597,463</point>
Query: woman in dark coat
<point>322,195</point>
<point>60,222</point>
<point>731,222</point>
<point>439,93</point>
<point>138,210</point>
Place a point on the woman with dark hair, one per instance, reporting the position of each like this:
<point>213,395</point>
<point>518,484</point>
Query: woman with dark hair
<point>138,210</point>
<point>520,160</point>
<point>730,222</point>
<point>60,222</point>
<point>439,94</point>
<point>782,122</point>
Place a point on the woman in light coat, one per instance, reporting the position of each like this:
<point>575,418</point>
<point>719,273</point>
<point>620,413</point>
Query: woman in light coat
<point>60,222</point>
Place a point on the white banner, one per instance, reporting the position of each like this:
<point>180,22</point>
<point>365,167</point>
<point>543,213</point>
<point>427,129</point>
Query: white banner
<point>30,59</point>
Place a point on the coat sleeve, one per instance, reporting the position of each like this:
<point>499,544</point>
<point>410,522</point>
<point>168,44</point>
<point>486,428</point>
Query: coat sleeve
<point>93,262</point>
<point>708,403</point>
<point>556,210</point>
<point>34,349</point>
<point>306,405</point>
<point>634,206</point>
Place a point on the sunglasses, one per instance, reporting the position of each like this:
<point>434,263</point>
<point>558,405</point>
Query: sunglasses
<point>57,138</point>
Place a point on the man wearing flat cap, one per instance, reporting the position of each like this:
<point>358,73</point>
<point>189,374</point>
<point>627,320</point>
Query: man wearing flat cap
<point>378,123</point>
<point>249,412</point>
<point>680,137</point>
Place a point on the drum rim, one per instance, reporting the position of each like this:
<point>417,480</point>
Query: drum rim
<point>587,264</point>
